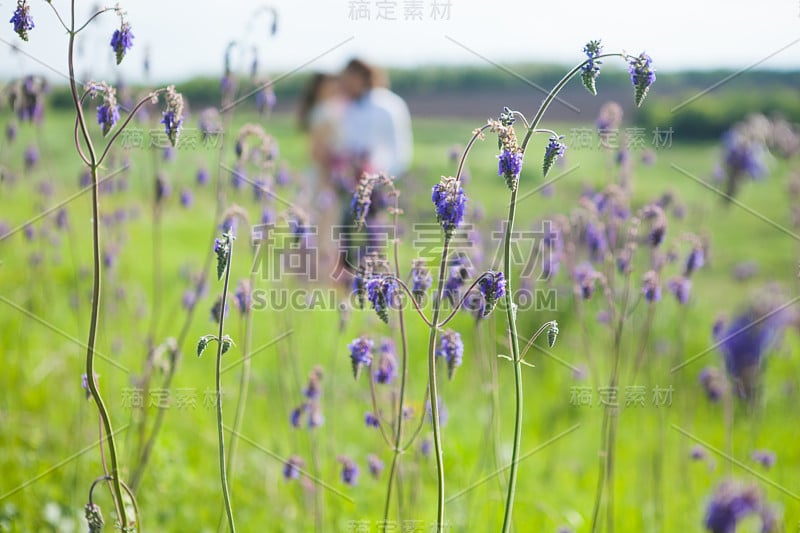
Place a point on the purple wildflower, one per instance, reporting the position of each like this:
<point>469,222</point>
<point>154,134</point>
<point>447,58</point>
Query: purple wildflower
<point>186,198</point>
<point>172,118</point>
<point>555,149</point>
<point>421,281</point>
<point>313,389</point>
<point>731,503</point>
<point>509,166</point>
<point>380,291</point>
<point>697,453</point>
<point>375,465</point>
<point>695,260</point>
<point>349,471</point>
<point>122,41</point>
<point>680,286</point>
<point>31,157</point>
<point>202,176</point>
<point>107,116</point>
<point>713,383</point>
<point>743,344</point>
<point>291,468</point>
<point>162,188</point>
<point>371,420</point>
<point>243,296</point>
<point>591,69</point>
<point>452,349</point>
<point>651,287</point>
<point>492,287</point>
<point>296,415</point>
<point>360,354</point>
<point>386,370</point>
<point>22,20</point>
<point>450,201</point>
<point>765,458</point>
<point>642,76</point>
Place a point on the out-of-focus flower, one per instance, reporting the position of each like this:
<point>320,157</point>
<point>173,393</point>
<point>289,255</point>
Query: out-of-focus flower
<point>452,349</point>
<point>360,354</point>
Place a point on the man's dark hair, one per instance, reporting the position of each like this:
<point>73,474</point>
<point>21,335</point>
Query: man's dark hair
<point>372,76</point>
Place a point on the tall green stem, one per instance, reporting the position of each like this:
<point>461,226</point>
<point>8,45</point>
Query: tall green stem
<point>433,393</point>
<point>116,484</point>
<point>398,436</point>
<point>218,383</point>
<point>512,324</point>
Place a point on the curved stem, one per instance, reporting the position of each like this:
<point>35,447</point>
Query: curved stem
<point>58,16</point>
<point>461,301</point>
<point>411,297</point>
<point>96,285</point>
<point>92,18</point>
<point>218,384</point>
<point>475,137</point>
<point>434,395</point>
<point>534,337</point>
<point>127,120</point>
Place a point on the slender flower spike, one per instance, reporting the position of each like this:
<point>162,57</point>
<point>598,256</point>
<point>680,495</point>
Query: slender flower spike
<point>380,291</point>
<point>450,201</point>
<point>108,111</point>
<point>222,248</point>
<point>371,420</point>
<point>493,287</point>
<point>642,76</point>
<point>375,465</point>
<point>122,39</point>
<point>731,503</point>
<point>650,287</point>
<point>591,70</point>
<point>362,199</point>
<point>509,166</point>
<point>554,150</point>
<point>94,517</point>
<point>387,364</point>
<point>360,354</point>
<point>172,118</point>
<point>452,349</point>
<point>22,20</point>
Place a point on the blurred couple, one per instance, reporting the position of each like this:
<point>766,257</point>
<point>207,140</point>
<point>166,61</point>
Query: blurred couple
<point>355,124</point>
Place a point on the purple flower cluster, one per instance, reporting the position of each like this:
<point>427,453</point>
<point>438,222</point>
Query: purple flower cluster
<point>555,149</point>
<point>362,199</point>
<point>371,420</point>
<point>292,466</point>
<point>642,76</point>
<point>509,166</point>
<point>421,280</point>
<point>386,369</point>
<point>172,118</point>
<point>375,465</point>
<point>452,349</point>
<point>380,291</point>
<point>22,20</point>
<point>681,287</point>
<point>450,201</point>
<point>242,295</point>
<point>493,287</point>
<point>591,68</point>
<point>713,383</point>
<point>349,471</point>
<point>651,287</point>
<point>107,116</point>
<point>731,503</point>
<point>122,41</point>
<point>360,354</point>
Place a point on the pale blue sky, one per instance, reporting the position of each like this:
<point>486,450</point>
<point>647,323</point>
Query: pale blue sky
<point>188,38</point>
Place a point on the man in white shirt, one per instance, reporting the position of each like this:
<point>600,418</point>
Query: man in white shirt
<point>376,125</point>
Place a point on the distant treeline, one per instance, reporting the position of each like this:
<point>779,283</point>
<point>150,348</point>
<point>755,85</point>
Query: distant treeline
<point>719,97</point>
